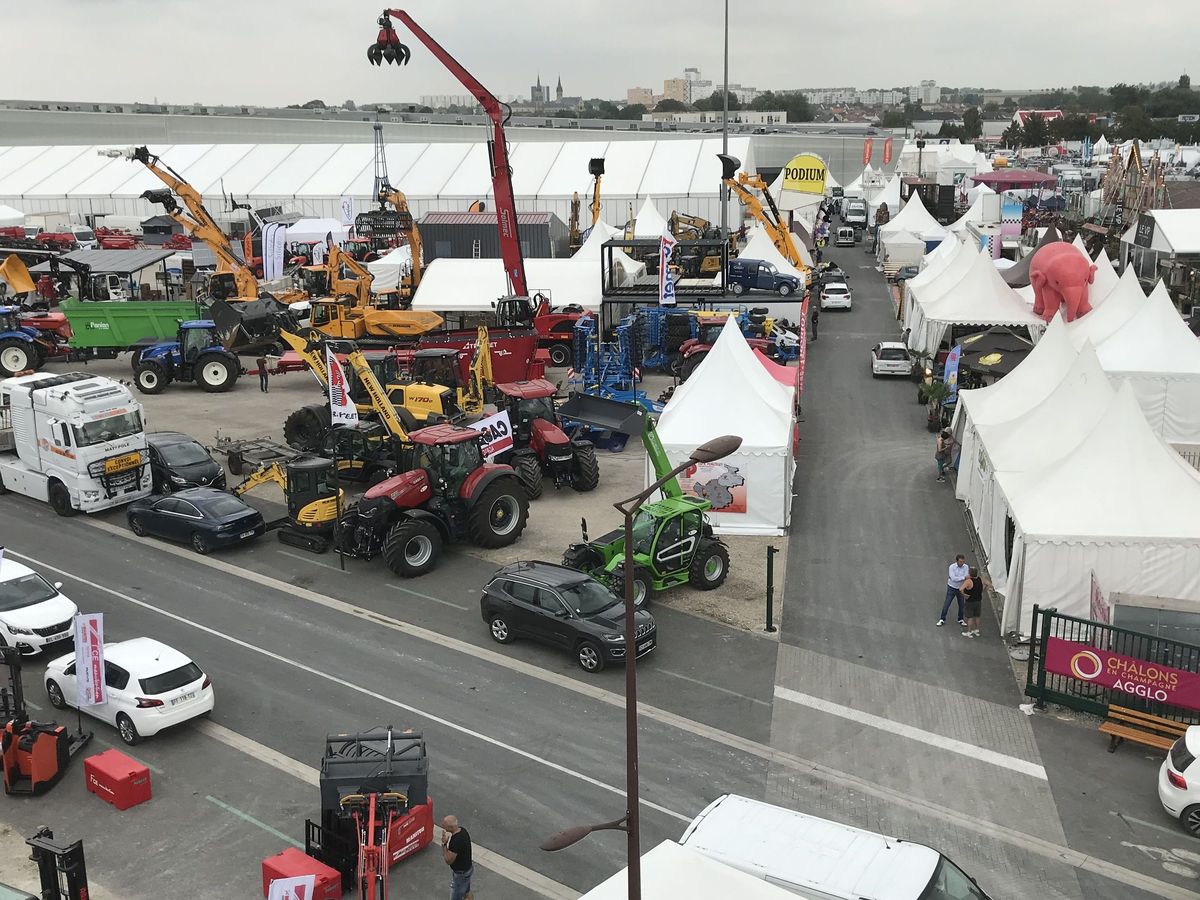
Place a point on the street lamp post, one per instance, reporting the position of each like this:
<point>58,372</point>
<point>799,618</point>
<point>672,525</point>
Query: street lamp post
<point>717,448</point>
<point>725,129</point>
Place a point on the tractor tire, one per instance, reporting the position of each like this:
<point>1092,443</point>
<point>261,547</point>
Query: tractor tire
<point>151,378</point>
<point>529,471</point>
<point>412,547</point>
<point>581,557</point>
<point>498,515</point>
<point>217,373</point>
<point>16,356</point>
<point>60,500</point>
<point>306,427</point>
<point>643,585</point>
<point>586,473</point>
<point>709,566</point>
<point>235,463</point>
<point>134,359</point>
<point>674,363</point>
<point>560,355</point>
<point>690,364</point>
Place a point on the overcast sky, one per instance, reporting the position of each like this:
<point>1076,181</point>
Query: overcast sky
<point>270,52</point>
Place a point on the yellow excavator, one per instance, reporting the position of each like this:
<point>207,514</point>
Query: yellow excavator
<point>697,262</point>
<point>574,232</point>
<point>744,186</point>
<point>313,503</point>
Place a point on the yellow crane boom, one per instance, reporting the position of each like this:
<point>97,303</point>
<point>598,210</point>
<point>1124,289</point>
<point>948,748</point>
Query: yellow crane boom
<point>744,185</point>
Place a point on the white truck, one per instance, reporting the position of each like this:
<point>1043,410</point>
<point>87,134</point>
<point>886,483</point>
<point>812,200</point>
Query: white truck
<point>73,440</point>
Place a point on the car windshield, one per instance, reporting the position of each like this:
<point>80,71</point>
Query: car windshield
<point>108,429</point>
<point>25,591</point>
<point>949,882</point>
<point>171,681</point>
<point>84,234</point>
<point>183,454</point>
<point>538,408</point>
<point>219,507</point>
<point>892,353</point>
<point>589,597</point>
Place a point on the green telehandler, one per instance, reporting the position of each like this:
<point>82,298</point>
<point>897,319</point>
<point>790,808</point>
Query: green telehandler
<point>673,543</point>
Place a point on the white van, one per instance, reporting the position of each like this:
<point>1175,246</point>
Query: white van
<point>822,860</point>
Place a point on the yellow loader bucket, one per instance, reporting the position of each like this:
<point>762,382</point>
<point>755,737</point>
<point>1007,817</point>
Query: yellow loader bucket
<point>13,271</point>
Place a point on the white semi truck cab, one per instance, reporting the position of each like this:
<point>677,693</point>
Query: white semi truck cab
<point>73,440</point>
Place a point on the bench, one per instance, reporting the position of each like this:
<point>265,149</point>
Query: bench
<point>1125,724</point>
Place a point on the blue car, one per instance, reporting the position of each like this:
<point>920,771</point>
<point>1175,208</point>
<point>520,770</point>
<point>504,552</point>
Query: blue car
<point>203,517</point>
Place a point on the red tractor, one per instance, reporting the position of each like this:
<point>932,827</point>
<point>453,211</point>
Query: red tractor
<point>540,446</point>
<point>708,330</point>
<point>555,329</point>
<point>61,241</point>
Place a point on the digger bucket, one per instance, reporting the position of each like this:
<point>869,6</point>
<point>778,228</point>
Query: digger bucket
<point>387,46</point>
<point>251,323</point>
<point>596,166</point>
<point>605,414</point>
<point>729,166</point>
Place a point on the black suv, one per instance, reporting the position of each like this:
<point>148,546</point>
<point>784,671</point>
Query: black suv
<point>564,608</point>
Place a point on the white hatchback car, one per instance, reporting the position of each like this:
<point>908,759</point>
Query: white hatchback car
<point>150,687</point>
<point>34,616</point>
<point>1179,795</point>
<point>835,295</point>
<point>890,358</point>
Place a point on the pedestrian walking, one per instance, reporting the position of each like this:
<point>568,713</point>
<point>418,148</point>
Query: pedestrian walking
<point>815,317</point>
<point>263,375</point>
<point>955,576</point>
<point>973,588</point>
<point>943,451</point>
<point>456,851</point>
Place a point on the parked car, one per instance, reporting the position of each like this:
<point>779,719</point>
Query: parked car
<point>906,272</point>
<point>34,615</point>
<point>756,275</point>
<point>203,517</point>
<point>855,214</point>
<point>563,608</point>
<point>835,295</point>
<point>149,687</point>
<point>1179,796</point>
<point>844,237</point>
<point>890,358</point>
<point>178,461</point>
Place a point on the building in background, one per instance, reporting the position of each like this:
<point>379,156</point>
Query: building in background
<point>925,93</point>
<point>697,87</point>
<point>675,89</point>
<point>539,93</point>
<point>444,101</point>
<point>641,95</point>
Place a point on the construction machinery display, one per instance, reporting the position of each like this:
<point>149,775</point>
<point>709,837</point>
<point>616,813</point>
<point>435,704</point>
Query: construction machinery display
<point>747,188</point>
<point>673,543</point>
<point>540,446</point>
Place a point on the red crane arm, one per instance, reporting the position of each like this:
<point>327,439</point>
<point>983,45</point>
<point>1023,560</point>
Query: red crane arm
<point>388,46</point>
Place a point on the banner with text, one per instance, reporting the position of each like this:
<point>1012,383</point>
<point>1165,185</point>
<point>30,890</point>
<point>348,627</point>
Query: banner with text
<point>1138,677</point>
<point>90,689</point>
<point>341,408</point>
<point>347,210</point>
<point>805,174</point>
<point>296,887</point>
<point>666,286</point>
<point>497,434</point>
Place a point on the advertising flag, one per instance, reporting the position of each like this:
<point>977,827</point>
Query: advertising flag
<point>90,689</point>
<point>347,210</point>
<point>274,241</point>
<point>341,408</point>
<point>951,370</point>
<point>887,151</point>
<point>497,434</point>
<point>868,149</point>
<point>666,287</point>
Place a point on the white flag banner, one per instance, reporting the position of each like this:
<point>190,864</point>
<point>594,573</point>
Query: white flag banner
<point>347,210</point>
<point>497,434</point>
<point>666,287</point>
<point>341,408</point>
<point>274,239</point>
<point>297,887</point>
<point>90,689</point>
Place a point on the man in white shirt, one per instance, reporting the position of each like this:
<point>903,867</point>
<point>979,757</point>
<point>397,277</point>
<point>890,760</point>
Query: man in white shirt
<point>956,575</point>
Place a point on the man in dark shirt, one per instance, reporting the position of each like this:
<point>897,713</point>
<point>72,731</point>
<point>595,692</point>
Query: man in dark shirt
<point>456,851</point>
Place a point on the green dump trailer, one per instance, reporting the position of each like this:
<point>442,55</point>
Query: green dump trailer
<point>105,328</point>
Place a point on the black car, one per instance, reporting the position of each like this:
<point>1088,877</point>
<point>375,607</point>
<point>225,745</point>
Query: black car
<point>564,608</point>
<point>203,517</point>
<point>178,461</point>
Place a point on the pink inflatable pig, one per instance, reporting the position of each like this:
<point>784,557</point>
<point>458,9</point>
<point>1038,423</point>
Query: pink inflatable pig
<point>1060,275</point>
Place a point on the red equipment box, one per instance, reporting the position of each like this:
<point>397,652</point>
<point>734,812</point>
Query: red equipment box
<point>291,862</point>
<point>115,778</point>
<point>411,832</point>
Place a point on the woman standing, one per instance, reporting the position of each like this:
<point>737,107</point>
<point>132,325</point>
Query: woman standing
<point>973,589</point>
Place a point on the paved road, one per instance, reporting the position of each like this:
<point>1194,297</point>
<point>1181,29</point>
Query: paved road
<point>866,681</point>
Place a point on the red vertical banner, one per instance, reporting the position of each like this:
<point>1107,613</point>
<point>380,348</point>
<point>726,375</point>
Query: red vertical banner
<point>868,147</point>
<point>887,151</point>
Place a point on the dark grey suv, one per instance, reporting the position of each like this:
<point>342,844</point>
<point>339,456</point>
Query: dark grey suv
<point>564,608</point>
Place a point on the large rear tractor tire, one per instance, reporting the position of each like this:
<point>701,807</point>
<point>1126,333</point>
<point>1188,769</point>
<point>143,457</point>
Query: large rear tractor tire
<point>499,514</point>
<point>709,566</point>
<point>151,378</point>
<point>16,356</point>
<point>691,364</point>
<point>529,471</point>
<point>217,374</point>
<point>305,429</point>
<point>412,547</point>
<point>586,474</point>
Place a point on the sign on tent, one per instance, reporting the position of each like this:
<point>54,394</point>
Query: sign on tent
<point>805,174</point>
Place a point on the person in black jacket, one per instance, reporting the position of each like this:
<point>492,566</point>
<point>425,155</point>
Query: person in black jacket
<point>456,851</point>
<point>973,590</point>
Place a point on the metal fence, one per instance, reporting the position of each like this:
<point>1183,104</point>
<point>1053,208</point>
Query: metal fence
<point>1048,687</point>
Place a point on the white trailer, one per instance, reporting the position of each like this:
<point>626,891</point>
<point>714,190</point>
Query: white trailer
<point>75,441</point>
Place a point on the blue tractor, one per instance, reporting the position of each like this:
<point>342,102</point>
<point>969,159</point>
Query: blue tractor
<point>197,355</point>
<point>20,346</point>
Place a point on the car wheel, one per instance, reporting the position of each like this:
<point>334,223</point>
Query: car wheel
<point>785,289</point>
<point>589,657</point>
<point>54,692</point>
<point>738,288</point>
<point>136,526</point>
<point>500,631</point>
<point>560,355</point>
<point>200,543</point>
<point>127,730</point>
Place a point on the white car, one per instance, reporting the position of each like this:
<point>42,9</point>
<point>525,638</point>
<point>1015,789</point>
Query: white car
<point>1179,794</point>
<point>150,686</point>
<point>34,616</point>
<point>890,358</point>
<point>844,237</point>
<point>835,295</point>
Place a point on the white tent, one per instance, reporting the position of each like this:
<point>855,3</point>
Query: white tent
<point>760,246</point>
<point>1104,280</point>
<point>1158,355</point>
<point>973,214</point>
<point>974,193</point>
<point>10,217</point>
<point>452,285</point>
<point>389,269</point>
<point>913,217</point>
<point>1107,316</point>
<point>1101,148</point>
<point>1123,505</point>
<point>1041,435</point>
<point>903,248</point>
<point>650,222</point>
<point>751,489</point>
<point>317,230</point>
<point>889,194</point>
<point>670,871</point>
<point>592,251</point>
<point>935,280</point>
<point>865,180</point>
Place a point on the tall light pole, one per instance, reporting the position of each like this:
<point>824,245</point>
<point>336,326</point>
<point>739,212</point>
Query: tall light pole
<point>710,451</point>
<point>725,129</point>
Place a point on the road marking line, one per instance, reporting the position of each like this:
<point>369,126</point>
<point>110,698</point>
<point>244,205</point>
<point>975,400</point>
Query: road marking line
<point>33,705</point>
<point>350,685</point>
<point>396,587</point>
<point>1174,832</point>
<point>141,762</point>
<point>245,816</point>
<point>489,859</point>
<point>919,805</point>
<point>983,754</point>
<point>711,687</point>
<point>312,562</point>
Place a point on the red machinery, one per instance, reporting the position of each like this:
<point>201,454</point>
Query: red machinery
<point>177,241</point>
